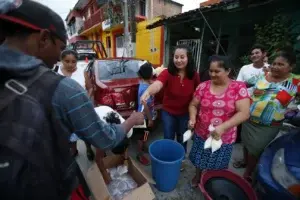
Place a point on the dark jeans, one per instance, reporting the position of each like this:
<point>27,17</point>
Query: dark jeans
<point>175,124</point>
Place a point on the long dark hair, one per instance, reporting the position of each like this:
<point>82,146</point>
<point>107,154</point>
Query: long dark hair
<point>190,67</point>
<point>288,54</point>
<point>68,52</point>
<point>223,61</point>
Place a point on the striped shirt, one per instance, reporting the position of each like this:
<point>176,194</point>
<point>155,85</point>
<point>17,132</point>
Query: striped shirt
<point>74,109</point>
<point>71,105</point>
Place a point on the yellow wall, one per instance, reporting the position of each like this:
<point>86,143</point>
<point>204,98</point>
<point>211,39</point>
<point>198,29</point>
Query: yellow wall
<point>145,40</point>
<point>149,39</point>
<point>103,35</point>
<point>103,38</point>
<point>90,37</point>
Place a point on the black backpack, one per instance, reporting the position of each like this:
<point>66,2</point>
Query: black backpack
<point>35,162</point>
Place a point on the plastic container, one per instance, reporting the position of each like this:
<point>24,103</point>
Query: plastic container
<point>225,185</point>
<point>166,159</point>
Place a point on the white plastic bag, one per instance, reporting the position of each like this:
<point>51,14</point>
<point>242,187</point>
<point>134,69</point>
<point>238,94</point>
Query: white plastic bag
<point>187,135</point>
<point>207,143</point>
<point>216,145</point>
<point>116,172</point>
<point>122,183</point>
<point>211,142</point>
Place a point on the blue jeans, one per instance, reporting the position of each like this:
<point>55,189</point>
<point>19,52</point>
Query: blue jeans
<point>175,124</point>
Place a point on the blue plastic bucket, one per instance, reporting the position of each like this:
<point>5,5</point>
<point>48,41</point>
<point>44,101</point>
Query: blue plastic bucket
<point>166,158</point>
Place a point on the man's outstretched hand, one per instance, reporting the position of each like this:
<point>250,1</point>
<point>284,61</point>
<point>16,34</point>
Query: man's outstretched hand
<point>136,118</point>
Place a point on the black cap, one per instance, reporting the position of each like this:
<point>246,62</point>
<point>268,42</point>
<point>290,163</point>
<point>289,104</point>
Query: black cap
<point>36,16</point>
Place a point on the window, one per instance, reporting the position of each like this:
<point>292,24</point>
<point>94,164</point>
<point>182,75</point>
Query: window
<point>142,7</point>
<point>72,27</point>
<point>89,56</point>
<point>117,69</point>
<point>120,41</point>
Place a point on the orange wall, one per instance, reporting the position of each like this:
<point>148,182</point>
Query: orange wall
<point>210,2</point>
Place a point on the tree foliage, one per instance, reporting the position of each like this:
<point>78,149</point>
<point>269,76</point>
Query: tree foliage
<point>274,34</point>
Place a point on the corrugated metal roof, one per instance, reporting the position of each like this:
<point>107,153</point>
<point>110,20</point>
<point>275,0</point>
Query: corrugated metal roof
<point>192,13</point>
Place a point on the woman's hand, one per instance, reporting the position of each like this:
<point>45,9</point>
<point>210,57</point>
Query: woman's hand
<point>145,97</point>
<point>193,111</point>
<point>192,123</point>
<point>218,132</point>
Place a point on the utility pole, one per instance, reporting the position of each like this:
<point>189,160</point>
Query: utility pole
<point>126,29</point>
<point>132,4</point>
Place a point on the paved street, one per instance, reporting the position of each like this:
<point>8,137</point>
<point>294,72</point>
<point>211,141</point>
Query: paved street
<point>183,190</point>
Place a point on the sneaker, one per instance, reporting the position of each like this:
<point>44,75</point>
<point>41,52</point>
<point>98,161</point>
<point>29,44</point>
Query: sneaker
<point>143,159</point>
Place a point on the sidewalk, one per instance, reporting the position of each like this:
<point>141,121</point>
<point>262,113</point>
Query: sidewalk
<point>183,189</point>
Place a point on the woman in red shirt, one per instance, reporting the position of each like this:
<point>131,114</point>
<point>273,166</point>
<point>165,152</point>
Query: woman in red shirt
<point>179,83</point>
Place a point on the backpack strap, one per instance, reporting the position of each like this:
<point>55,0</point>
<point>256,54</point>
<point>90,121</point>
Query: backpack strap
<point>11,91</point>
<point>14,87</point>
<point>53,138</point>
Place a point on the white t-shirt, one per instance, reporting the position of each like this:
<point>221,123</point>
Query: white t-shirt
<point>59,71</point>
<point>249,75</point>
<point>78,75</point>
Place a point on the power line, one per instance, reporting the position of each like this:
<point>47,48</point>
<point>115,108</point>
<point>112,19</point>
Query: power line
<point>218,41</point>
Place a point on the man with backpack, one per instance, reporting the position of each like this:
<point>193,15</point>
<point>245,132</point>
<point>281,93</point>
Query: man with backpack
<point>40,109</point>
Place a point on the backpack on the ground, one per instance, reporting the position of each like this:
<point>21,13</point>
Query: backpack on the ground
<point>35,162</point>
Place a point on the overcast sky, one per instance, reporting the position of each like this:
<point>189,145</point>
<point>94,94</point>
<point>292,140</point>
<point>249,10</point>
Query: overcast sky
<point>62,7</point>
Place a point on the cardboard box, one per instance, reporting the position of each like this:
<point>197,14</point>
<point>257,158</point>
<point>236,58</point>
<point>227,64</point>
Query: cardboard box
<point>99,189</point>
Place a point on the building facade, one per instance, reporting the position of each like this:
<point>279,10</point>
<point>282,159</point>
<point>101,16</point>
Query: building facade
<point>103,20</point>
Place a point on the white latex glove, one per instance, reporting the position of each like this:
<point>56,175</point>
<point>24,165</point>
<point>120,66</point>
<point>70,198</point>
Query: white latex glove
<point>102,112</point>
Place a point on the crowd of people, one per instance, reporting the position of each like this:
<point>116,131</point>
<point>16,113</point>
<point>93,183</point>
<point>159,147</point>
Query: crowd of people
<point>41,113</point>
<point>257,101</point>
